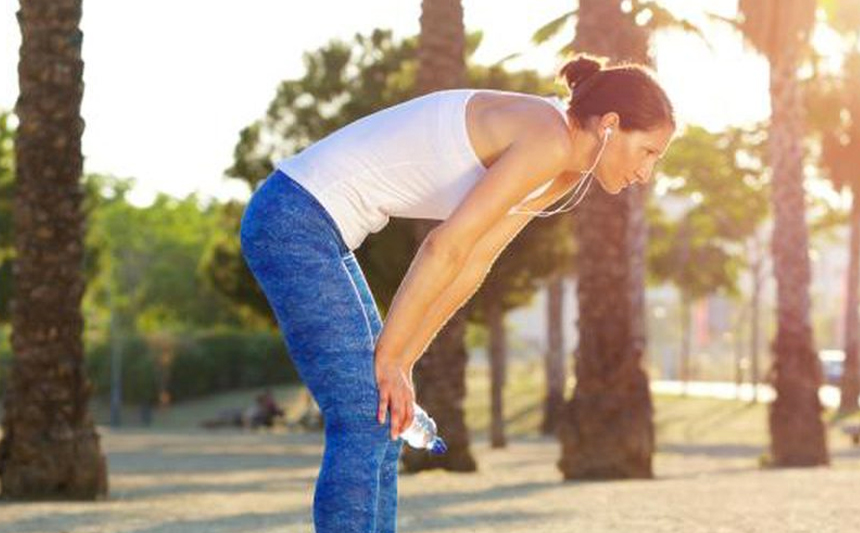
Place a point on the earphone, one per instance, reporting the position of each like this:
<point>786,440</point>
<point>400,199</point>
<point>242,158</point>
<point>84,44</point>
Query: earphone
<point>587,178</point>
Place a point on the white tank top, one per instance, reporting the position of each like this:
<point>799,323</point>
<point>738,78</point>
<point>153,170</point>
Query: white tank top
<point>410,160</point>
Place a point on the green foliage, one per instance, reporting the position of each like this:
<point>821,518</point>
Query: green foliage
<point>191,365</point>
<point>842,15</point>
<point>147,262</point>
<point>223,269</point>
<point>833,111</point>
<point>553,27</point>
<point>225,361</point>
<point>7,190</point>
<point>5,358</point>
<point>726,172</point>
<point>342,83</point>
<point>720,176</point>
<point>646,13</point>
<point>139,378</point>
<point>683,254</point>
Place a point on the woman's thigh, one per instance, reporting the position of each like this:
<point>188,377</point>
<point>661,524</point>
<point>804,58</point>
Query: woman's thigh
<point>319,306</point>
<point>367,298</point>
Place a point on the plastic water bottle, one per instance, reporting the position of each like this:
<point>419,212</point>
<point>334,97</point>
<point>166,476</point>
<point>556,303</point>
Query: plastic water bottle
<point>421,434</point>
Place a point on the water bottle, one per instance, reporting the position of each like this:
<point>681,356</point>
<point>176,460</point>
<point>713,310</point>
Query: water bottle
<point>421,434</point>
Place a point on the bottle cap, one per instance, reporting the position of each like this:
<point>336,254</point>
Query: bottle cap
<point>438,446</point>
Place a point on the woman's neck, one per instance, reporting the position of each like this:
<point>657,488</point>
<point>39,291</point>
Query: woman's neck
<point>584,149</point>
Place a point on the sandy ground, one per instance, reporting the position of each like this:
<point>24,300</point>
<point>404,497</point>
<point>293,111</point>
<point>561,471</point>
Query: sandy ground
<point>188,481</point>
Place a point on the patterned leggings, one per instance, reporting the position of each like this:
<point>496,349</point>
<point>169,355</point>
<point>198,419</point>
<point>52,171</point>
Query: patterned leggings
<point>329,321</point>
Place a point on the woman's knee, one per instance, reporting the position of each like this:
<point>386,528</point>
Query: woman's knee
<point>357,451</point>
<point>359,419</point>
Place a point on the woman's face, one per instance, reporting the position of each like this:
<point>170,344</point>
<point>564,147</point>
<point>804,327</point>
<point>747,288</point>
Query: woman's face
<point>630,156</point>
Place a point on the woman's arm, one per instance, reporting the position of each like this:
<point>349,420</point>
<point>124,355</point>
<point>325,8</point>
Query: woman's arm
<point>395,374</point>
<point>525,165</point>
<point>449,301</point>
<point>530,161</point>
<point>477,266</point>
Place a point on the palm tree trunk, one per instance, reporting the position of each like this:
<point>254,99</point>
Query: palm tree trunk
<point>495,315</point>
<point>850,384</point>
<point>607,429</point>
<point>440,374</point>
<point>686,323</point>
<point>554,360</point>
<point>798,437</point>
<point>755,306</point>
<point>50,448</point>
<point>739,345</point>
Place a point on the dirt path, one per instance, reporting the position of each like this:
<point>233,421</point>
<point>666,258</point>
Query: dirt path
<point>189,481</point>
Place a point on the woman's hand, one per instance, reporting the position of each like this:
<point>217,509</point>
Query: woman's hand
<point>395,392</point>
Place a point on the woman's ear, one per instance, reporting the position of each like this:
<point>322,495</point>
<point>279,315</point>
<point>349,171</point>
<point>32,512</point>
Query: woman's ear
<point>610,120</point>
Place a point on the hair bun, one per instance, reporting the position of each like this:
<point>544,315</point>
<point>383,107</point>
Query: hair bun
<point>581,68</point>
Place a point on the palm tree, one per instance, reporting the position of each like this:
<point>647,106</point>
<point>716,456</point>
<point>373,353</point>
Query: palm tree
<point>497,350</point>
<point>50,448</point>
<point>440,375</point>
<point>554,360</point>
<point>607,429</point>
<point>780,30</point>
<point>842,160</point>
<point>834,104</point>
<point>655,18</point>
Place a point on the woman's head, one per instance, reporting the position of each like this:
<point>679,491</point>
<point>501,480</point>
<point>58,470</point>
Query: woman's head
<point>627,100</point>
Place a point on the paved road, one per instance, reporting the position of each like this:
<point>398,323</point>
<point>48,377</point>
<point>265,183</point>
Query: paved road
<point>828,394</point>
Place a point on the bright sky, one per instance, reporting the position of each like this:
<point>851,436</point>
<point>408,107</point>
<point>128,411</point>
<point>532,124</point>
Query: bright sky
<point>170,83</point>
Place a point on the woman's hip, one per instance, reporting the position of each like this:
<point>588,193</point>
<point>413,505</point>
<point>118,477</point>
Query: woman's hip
<point>282,216</point>
<point>318,295</point>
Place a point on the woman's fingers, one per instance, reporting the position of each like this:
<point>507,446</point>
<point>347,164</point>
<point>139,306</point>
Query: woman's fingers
<point>402,414</point>
<point>410,415</point>
<point>397,399</point>
<point>383,404</point>
<point>396,417</point>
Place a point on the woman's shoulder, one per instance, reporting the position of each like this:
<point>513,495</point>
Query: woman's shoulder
<point>529,114</point>
<point>497,119</point>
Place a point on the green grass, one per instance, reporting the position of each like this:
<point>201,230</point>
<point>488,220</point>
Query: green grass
<point>676,419</point>
<point>189,414</point>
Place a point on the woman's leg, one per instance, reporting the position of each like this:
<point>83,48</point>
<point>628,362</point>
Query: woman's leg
<point>321,315</point>
<point>386,515</point>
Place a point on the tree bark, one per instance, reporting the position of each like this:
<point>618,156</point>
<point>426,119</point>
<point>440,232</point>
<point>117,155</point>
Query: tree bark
<point>607,429</point>
<point>440,374</point>
<point>755,306</point>
<point>850,383</point>
<point>498,373</point>
<point>554,360</point>
<point>686,324</point>
<point>798,437</point>
<point>739,346</point>
<point>50,448</point>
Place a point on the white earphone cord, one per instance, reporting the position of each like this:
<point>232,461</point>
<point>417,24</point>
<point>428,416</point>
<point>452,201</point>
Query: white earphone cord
<point>587,178</point>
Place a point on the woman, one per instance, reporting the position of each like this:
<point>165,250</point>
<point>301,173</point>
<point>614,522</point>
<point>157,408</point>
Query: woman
<point>485,163</point>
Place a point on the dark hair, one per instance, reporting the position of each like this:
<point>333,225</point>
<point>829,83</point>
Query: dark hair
<point>629,89</point>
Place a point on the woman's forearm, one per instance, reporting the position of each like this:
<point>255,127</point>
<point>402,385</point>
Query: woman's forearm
<point>429,274</point>
<point>443,308</point>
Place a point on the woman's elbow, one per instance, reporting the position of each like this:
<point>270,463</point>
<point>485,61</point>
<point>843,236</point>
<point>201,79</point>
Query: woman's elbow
<point>447,251</point>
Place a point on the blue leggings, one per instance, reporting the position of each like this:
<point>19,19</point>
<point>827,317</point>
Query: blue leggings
<point>330,323</point>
